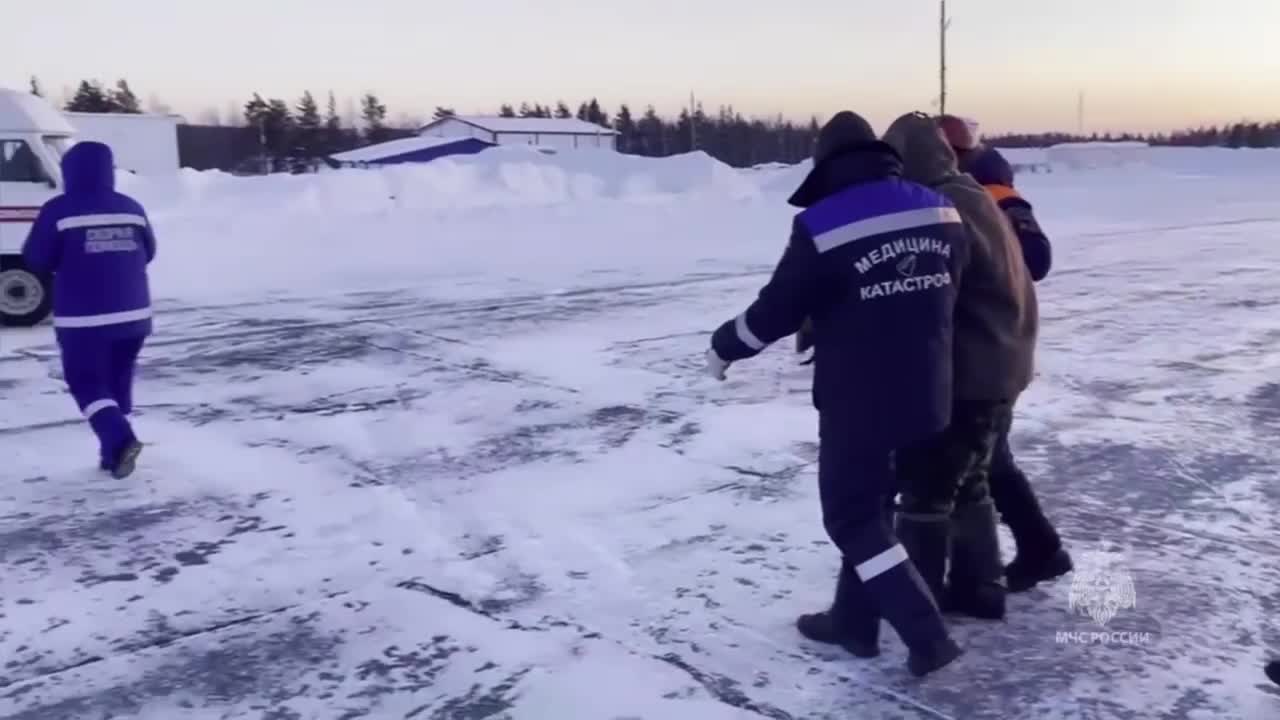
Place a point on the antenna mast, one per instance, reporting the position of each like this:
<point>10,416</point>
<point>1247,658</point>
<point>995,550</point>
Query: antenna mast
<point>943,24</point>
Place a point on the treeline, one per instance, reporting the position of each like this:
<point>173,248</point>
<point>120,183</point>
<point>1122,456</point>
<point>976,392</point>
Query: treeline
<point>299,134</point>
<point>1237,135</point>
<point>92,97</point>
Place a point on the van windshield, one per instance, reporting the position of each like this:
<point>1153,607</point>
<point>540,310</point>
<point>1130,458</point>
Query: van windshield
<point>59,144</point>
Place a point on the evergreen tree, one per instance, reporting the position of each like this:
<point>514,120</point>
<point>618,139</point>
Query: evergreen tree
<point>626,127</point>
<point>1255,136</point>
<point>281,129</point>
<point>124,99</point>
<point>562,110</point>
<point>35,87</point>
<point>684,140</point>
<point>649,134</point>
<point>596,115</point>
<point>333,140</point>
<point>309,140</point>
<point>526,110</point>
<point>92,98</point>
<point>274,124</point>
<point>374,114</point>
<point>443,112</point>
<point>506,111</point>
<point>255,110</point>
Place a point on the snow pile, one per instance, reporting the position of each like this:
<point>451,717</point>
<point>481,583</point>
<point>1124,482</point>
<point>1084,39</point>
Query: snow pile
<point>518,220</point>
<point>1096,155</point>
<point>499,177</point>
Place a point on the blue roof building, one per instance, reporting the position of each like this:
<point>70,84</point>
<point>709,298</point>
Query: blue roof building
<point>409,150</point>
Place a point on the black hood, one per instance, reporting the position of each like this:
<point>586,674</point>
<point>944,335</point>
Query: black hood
<point>847,153</point>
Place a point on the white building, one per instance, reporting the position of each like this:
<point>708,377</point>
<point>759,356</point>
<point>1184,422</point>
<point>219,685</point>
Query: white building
<point>556,133</point>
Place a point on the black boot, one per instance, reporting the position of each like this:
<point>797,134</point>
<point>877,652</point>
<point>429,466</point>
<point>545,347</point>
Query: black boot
<point>1026,570</point>
<point>927,539</point>
<point>1273,671</point>
<point>126,460</point>
<point>906,603</point>
<point>853,622</point>
<point>976,584</point>
<point>1038,556</point>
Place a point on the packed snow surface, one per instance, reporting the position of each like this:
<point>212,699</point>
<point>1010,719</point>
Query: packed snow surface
<point>434,442</point>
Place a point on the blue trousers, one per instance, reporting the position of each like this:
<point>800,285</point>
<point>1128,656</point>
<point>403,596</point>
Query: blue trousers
<point>856,486</point>
<point>99,373</point>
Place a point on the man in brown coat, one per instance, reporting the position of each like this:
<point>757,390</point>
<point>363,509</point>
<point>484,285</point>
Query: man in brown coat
<point>945,510</point>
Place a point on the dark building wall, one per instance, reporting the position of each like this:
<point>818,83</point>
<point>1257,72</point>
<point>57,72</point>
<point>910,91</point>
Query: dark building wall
<point>206,147</point>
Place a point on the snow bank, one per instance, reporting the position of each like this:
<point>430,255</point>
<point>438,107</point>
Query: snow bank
<point>499,177</point>
<point>1096,155</point>
<point>519,177</point>
<point>516,220</point>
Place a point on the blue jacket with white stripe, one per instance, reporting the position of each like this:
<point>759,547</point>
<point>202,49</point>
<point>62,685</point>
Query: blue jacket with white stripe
<point>97,243</point>
<point>875,261</point>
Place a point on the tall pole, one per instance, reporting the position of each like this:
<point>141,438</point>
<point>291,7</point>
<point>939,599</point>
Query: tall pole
<point>943,24</point>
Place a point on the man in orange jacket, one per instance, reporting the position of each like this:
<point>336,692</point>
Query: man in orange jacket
<point>1040,556</point>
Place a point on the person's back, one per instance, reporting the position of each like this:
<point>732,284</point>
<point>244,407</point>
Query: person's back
<point>997,315</point>
<point>97,243</point>
<point>883,341</point>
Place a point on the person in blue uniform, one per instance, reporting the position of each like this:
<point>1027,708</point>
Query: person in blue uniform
<point>97,244</point>
<point>873,262</point>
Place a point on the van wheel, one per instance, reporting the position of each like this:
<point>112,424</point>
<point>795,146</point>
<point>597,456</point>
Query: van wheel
<point>25,297</point>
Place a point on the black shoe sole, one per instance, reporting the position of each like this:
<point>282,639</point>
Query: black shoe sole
<point>128,461</point>
<point>1273,671</point>
<point>862,650</point>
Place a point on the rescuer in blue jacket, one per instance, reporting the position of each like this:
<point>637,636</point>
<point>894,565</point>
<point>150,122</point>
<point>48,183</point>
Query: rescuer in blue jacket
<point>874,261</point>
<point>97,243</point>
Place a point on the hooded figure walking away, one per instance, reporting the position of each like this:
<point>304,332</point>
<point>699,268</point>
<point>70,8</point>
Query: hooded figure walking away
<point>874,262</point>
<point>97,243</point>
<point>946,511</point>
<point>1039,555</point>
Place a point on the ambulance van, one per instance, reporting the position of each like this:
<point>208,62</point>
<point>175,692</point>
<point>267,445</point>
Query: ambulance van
<point>33,137</point>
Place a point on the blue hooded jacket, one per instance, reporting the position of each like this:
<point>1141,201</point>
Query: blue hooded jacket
<point>97,243</point>
<point>874,261</point>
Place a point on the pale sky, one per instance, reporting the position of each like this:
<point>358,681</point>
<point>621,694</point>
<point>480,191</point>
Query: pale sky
<point>1015,64</point>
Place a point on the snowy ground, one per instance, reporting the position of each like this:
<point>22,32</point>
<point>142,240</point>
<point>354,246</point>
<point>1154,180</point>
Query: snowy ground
<point>389,483</point>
